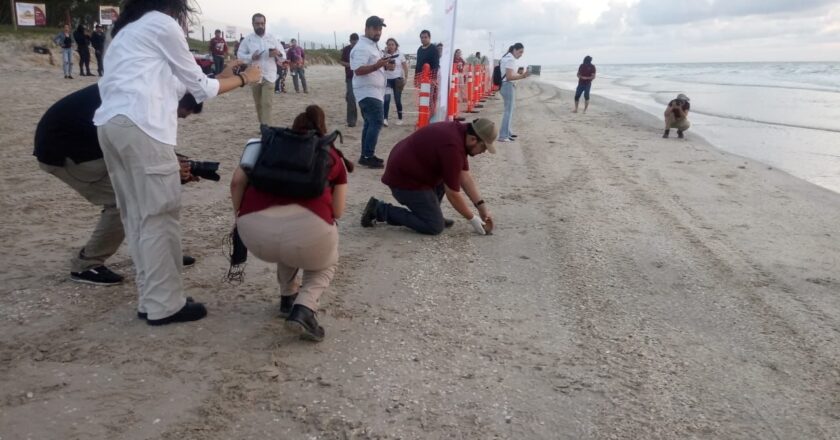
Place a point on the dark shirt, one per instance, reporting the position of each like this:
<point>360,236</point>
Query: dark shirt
<point>97,40</point>
<point>428,55</point>
<point>585,70</point>
<point>66,130</point>
<point>82,40</point>
<point>218,46</point>
<point>433,154</point>
<point>345,56</point>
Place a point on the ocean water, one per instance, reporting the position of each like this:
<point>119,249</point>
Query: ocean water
<point>786,115</point>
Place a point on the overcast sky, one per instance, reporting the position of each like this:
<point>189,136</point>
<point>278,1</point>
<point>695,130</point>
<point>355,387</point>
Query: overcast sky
<point>564,31</point>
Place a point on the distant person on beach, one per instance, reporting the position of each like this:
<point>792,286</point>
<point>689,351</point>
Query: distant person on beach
<point>429,163</point>
<point>97,40</point>
<point>458,61</point>
<point>260,48</point>
<point>297,65</point>
<point>510,72</point>
<point>219,50</point>
<point>427,54</point>
<point>137,123</point>
<point>282,69</point>
<point>676,116</point>
<point>83,47</point>
<point>395,80</point>
<point>369,81</point>
<point>352,113</point>
<point>296,234</point>
<point>66,146</point>
<point>65,41</point>
<point>586,73</point>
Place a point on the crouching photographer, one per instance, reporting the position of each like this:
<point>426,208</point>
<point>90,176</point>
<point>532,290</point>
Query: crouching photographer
<point>67,146</point>
<point>676,116</point>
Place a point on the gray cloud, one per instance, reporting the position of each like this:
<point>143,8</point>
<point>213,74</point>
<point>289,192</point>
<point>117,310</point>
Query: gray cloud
<point>659,12</point>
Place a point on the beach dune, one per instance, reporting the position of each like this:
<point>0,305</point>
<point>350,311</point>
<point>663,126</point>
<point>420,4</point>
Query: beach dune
<point>635,287</point>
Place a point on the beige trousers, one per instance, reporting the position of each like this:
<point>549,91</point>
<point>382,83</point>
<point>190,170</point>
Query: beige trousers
<point>679,124</point>
<point>263,94</point>
<point>147,184</point>
<point>90,179</point>
<point>294,238</point>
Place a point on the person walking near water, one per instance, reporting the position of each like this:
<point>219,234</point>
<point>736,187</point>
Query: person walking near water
<point>676,116</point>
<point>586,73</point>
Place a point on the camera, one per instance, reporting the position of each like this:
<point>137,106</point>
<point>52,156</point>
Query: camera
<point>204,169</point>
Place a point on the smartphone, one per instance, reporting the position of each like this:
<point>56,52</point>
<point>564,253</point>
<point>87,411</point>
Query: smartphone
<point>391,57</point>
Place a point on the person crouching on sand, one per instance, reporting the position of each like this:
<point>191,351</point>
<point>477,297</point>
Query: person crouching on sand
<point>676,116</point>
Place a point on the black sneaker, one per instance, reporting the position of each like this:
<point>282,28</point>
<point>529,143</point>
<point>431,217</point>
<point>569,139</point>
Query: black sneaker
<point>448,222</point>
<point>302,321</point>
<point>98,275</point>
<point>369,214</point>
<point>665,134</point>
<point>188,261</point>
<point>680,134</point>
<point>144,315</point>
<point>286,303</point>
<point>378,159</point>
<point>192,311</point>
<point>370,162</point>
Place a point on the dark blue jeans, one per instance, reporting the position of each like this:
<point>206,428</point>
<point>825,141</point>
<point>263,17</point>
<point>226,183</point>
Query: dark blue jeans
<point>373,114</point>
<point>423,213</point>
<point>583,89</point>
<point>397,99</point>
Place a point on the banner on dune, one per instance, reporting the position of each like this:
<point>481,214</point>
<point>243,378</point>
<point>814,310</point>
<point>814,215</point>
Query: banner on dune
<point>29,14</point>
<point>445,70</point>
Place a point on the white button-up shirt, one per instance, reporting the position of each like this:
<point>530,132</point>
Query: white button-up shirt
<point>365,53</point>
<point>145,63</point>
<point>254,43</point>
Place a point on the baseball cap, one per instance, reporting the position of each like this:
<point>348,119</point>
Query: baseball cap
<point>683,97</point>
<point>374,21</point>
<point>485,129</point>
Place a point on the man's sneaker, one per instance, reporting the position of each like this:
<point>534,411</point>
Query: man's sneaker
<point>399,122</point>
<point>192,311</point>
<point>448,222</point>
<point>514,136</point>
<point>504,140</point>
<point>286,303</point>
<point>369,214</point>
<point>665,135</point>
<point>302,321</point>
<point>378,159</point>
<point>680,134</point>
<point>144,315</point>
<point>98,275</point>
<point>385,122</point>
<point>370,162</point>
<point>188,261</point>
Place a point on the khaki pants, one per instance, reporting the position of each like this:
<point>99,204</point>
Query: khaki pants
<point>263,94</point>
<point>679,124</point>
<point>90,179</point>
<point>294,238</point>
<point>148,189</point>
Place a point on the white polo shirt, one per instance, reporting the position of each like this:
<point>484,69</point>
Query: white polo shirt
<point>143,67</point>
<point>254,43</point>
<point>365,53</point>
<point>508,62</point>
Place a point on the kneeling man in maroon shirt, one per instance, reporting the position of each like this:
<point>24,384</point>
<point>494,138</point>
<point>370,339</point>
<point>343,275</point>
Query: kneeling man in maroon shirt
<point>426,165</point>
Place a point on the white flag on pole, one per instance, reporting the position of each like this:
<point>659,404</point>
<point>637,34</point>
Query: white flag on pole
<point>445,70</point>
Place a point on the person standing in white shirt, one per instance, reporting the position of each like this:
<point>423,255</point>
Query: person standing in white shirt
<point>510,73</point>
<point>149,67</point>
<point>368,67</point>
<point>261,48</point>
<point>395,79</point>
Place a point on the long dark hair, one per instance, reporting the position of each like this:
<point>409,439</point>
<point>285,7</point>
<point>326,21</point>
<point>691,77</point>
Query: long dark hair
<point>132,10</point>
<point>314,118</point>
<point>587,60</point>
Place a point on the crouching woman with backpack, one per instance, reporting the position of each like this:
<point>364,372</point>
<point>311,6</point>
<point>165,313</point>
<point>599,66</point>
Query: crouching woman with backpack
<point>296,233</point>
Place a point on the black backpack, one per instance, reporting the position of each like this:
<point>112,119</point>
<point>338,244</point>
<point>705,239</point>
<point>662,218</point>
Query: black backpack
<point>292,164</point>
<point>497,76</point>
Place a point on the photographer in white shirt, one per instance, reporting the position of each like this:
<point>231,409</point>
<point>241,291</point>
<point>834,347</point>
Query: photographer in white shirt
<point>136,125</point>
<point>261,48</point>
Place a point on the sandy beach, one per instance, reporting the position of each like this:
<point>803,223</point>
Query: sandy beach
<point>635,288</point>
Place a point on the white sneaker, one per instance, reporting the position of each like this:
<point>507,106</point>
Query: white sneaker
<point>399,122</point>
<point>385,122</point>
<point>504,140</point>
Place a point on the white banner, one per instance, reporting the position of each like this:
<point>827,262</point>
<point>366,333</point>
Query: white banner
<point>29,14</point>
<point>108,15</point>
<point>445,71</point>
<point>230,33</point>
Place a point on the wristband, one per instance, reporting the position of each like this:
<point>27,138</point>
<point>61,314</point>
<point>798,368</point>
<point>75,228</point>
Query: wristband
<point>479,203</point>
<point>241,78</point>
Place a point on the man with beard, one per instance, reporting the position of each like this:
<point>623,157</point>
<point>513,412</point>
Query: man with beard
<point>261,48</point>
<point>368,66</point>
<point>427,164</point>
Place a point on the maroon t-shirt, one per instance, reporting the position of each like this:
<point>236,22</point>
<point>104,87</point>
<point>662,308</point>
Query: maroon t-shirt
<point>431,155</point>
<point>218,46</point>
<point>586,70</point>
<point>255,200</point>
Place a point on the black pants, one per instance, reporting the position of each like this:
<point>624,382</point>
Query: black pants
<point>99,68</point>
<point>423,214</point>
<point>84,60</point>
